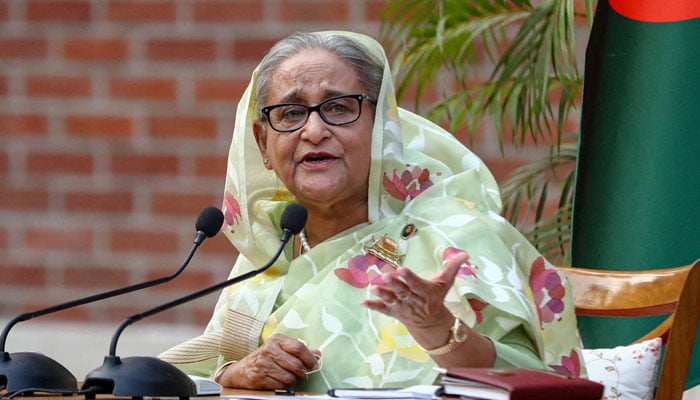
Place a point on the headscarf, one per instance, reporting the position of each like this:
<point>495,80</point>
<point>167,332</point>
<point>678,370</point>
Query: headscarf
<point>428,198</point>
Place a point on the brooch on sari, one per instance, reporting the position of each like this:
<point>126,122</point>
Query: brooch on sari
<point>385,249</point>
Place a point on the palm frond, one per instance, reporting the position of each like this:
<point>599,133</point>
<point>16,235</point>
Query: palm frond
<point>531,88</point>
<point>551,236</point>
<point>431,37</point>
<point>528,193</point>
<point>527,182</point>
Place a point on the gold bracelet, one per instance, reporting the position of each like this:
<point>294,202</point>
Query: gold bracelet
<point>444,349</point>
<point>220,371</point>
<point>459,333</point>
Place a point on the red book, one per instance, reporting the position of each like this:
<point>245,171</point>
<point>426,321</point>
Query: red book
<point>517,384</point>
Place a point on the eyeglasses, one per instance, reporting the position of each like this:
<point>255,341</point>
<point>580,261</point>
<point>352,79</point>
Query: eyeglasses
<point>341,110</point>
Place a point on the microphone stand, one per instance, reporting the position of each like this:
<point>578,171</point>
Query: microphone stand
<point>138,377</point>
<point>24,371</point>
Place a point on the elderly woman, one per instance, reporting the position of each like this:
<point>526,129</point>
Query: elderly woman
<point>404,263</point>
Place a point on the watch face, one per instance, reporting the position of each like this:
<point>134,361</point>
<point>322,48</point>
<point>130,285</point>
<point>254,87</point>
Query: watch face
<point>461,332</point>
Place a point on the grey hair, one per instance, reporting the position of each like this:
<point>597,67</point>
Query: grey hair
<point>368,69</point>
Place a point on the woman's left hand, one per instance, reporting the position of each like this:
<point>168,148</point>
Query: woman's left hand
<point>418,303</point>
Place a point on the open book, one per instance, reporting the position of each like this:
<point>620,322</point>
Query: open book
<point>517,384</point>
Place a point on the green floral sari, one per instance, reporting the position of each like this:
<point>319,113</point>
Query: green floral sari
<point>429,197</point>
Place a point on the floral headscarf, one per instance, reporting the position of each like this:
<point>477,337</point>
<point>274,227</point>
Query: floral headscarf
<point>402,156</point>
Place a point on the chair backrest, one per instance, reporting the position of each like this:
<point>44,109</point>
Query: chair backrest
<point>673,291</point>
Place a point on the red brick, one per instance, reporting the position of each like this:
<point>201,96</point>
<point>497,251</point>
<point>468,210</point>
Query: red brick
<point>143,241</point>
<point>142,11</point>
<point>214,166</point>
<point>219,245</point>
<point>95,277</point>
<point>201,316</point>
<point>469,137</point>
<point>251,49</point>
<point>58,86</point>
<point>328,11</point>
<point>23,48</point>
<point>106,202</point>
<point>145,164</point>
<point>96,49</point>
<point>190,280</point>
<point>373,10</point>
<point>182,50</point>
<point>580,9</point>
<point>23,275</point>
<point>501,168</point>
<point>58,10</point>
<point>183,127</point>
<point>227,11</point>
<point>219,89</point>
<point>76,314</point>
<point>3,238</point>
<point>117,313</point>
<point>181,203</point>
<point>99,126</point>
<point>143,88</point>
<point>571,125</point>
<point>59,163</point>
<point>58,238</point>
<point>4,163</point>
<point>3,85</point>
<point>551,205</point>
<point>24,200</point>
<point>132,99</point>
<point>543,139</point>
<point>429,95</point>
<point>26,124</point>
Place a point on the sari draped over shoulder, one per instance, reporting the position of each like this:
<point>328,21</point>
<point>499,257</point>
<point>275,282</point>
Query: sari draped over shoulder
<point>429,198</point>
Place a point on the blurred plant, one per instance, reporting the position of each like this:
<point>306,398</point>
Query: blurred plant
<point>533,89</point>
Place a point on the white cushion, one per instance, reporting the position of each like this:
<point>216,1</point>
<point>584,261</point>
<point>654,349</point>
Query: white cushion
<point>628,372</point>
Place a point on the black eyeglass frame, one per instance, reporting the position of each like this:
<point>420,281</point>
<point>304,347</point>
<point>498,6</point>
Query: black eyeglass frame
<point>360,97</point>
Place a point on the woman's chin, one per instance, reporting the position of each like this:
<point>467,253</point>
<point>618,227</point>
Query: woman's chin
<point>322,192</point>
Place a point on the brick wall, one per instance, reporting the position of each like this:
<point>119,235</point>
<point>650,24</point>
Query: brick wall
<point>115,120</point>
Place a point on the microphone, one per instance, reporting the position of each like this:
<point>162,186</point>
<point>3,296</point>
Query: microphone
<point>139,377</point>
<point>25,371</point>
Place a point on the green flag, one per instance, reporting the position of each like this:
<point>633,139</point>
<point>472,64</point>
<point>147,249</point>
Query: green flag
<point>637,195</point>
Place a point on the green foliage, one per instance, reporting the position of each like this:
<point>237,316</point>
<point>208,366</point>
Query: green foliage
<point>530,90</point>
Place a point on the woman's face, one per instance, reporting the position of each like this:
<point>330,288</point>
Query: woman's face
<point>321,164</point>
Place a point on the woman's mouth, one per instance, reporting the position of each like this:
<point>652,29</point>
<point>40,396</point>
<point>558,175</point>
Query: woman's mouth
<point>317,158</point>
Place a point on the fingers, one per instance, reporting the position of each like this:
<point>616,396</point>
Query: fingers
<point>410,298</point>
<point>277,364</point>
<point>440,281</point>
<point>262,372</point>
<point>297,348</point>
<point>452,266</point>
<point>398,284</point>
<point>394,290</point>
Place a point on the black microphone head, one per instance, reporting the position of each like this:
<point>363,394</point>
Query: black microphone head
<point>293,218</point>
<point>210,221</point>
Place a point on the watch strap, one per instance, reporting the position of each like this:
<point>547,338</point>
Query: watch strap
<point>451,344</point>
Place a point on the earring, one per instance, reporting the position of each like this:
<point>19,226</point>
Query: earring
<point>265,161</point>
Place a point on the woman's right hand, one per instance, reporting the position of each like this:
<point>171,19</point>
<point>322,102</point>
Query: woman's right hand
<point>277,364</point>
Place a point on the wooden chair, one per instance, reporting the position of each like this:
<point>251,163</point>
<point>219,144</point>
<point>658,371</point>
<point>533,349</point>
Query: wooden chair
<point>674,291</point>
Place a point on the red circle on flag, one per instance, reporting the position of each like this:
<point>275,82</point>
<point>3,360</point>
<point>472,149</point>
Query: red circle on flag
<point>657,10</point>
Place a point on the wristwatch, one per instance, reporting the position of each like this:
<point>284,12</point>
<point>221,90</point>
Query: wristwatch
<point>459,333</point>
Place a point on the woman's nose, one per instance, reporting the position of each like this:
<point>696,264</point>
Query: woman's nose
<point>315,129</point>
